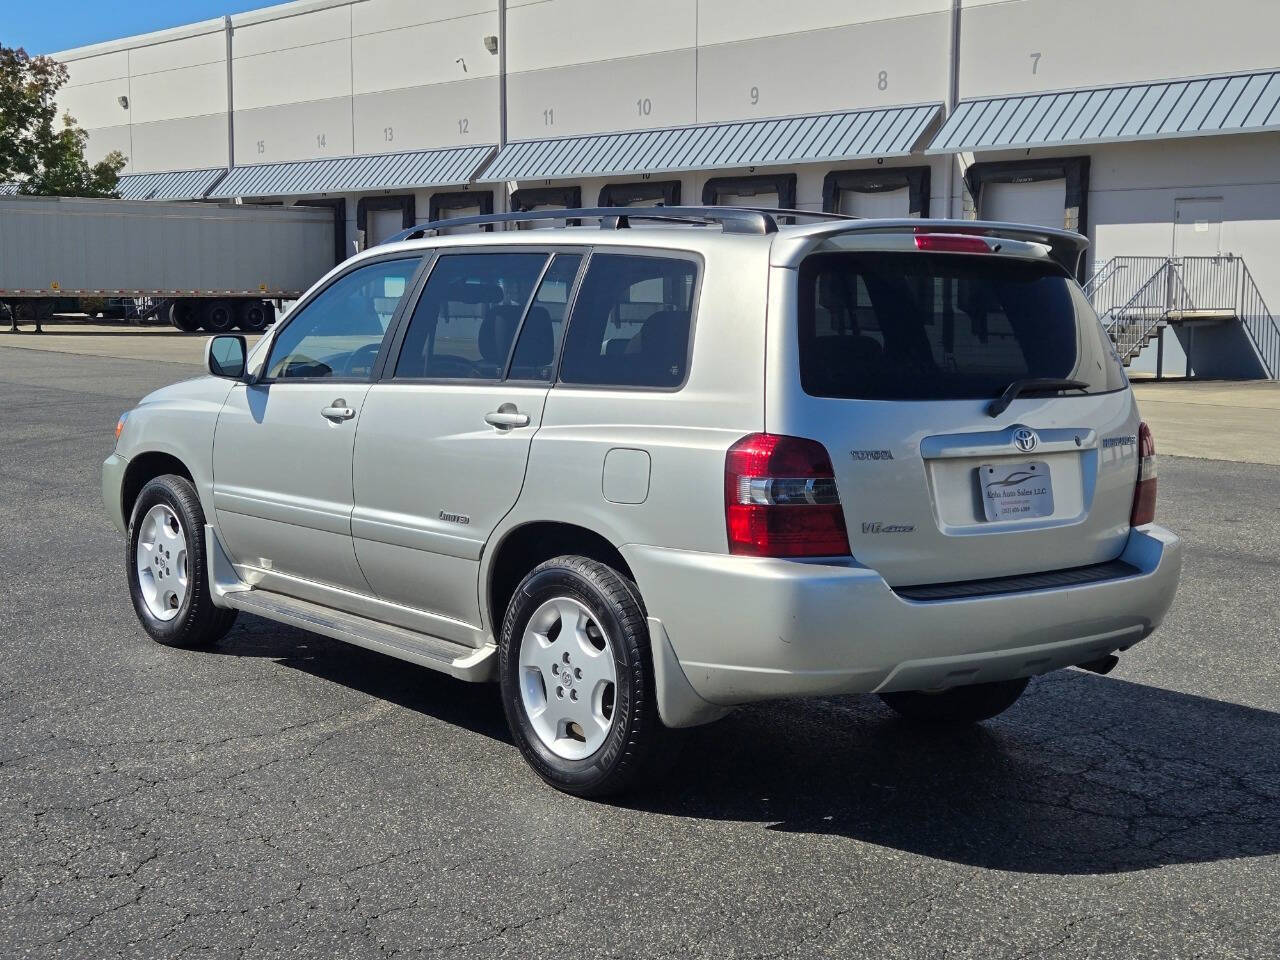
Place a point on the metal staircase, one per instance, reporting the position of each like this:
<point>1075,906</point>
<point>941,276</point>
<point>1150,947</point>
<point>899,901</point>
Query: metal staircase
<point>1137,297</point>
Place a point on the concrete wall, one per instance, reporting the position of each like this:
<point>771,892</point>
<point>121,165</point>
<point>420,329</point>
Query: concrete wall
<point>332,79</point>
<point>1020,46</point>
<point>175,83</point>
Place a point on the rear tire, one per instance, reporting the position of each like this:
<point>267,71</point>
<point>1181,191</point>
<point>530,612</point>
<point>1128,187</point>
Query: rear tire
<point>971,704</point>
<point>255,315</point>
<point>184,316</point>
<point>218,316</point>
<point>165,564</point>
<point>574,651</point>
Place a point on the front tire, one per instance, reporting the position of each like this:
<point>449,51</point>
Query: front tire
<point>165,560</point>
<point>969,704</point>
<point>577,678</point>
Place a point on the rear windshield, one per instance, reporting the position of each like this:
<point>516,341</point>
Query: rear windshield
<point>921,326</point>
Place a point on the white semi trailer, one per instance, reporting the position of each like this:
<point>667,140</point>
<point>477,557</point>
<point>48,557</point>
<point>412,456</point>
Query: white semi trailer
<point>200,265</point>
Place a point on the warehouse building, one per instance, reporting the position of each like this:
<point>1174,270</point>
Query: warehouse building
<point>1152,126</point>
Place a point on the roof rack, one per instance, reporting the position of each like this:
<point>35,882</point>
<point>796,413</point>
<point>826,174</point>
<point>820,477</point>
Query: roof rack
<point>749,220</point>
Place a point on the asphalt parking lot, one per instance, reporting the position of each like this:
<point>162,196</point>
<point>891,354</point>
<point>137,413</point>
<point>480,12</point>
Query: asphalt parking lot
<point>284,794</point>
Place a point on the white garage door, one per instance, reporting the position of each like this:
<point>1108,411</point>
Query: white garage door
<point>382,224</point>
<point>755,200</point>
<point>543,224</point>
<point>890,203</point>
<point>1041,203</point>
<point>457,213</point>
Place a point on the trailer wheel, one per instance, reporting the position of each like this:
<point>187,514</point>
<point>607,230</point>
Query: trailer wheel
<point>183,315</point>
<point>256,315</point>
<point>219,316</point>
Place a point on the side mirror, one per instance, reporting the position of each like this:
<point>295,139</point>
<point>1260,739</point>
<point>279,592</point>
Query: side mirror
<point>224,356</point>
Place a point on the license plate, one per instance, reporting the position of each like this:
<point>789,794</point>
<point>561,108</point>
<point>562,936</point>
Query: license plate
<point>1013,491</point>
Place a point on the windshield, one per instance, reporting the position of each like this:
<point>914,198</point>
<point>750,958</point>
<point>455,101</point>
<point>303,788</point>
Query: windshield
<point>919,326</point>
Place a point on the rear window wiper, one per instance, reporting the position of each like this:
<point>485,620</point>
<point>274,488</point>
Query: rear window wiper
<point>1030,385</point>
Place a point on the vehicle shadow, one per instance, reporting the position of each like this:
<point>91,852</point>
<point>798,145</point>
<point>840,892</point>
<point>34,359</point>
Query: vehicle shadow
<point>471,706</point>
<point>1085,775</point>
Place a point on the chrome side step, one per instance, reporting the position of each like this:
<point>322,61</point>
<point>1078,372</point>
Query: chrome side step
<point>463,662</point>
<point>455,659</point>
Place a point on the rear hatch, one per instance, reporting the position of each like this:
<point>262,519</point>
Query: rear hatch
<point>892,360</point>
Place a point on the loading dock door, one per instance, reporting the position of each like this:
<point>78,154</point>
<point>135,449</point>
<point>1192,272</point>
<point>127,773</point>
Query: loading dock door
<point>1040,202</point>
<point>383,224</point>
<point>530,199</point>
<point>885,203</point>
<point>457,213</point>
<point>1197,227</point>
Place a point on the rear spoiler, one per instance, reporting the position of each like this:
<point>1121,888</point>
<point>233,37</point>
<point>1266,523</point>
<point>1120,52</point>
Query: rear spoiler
<point>1065,247</point>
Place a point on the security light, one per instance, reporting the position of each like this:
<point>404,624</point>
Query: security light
<point>491,43</point>
<point>123,101</point>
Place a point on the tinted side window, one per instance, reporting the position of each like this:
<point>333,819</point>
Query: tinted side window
<point>338,334</point>
<point>467,316</point>
<point>535,354</point>
<point>630,325</point>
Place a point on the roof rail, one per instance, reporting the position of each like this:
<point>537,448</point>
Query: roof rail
<point>749,220</point>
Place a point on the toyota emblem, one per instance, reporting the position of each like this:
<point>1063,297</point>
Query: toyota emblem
<point>1025,439</point>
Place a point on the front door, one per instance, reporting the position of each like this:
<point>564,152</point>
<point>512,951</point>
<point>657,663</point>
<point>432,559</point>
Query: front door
<point>444,438</point>
<point>282,449</point>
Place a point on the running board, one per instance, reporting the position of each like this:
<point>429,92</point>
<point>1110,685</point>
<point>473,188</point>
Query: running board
<point>456,659</point>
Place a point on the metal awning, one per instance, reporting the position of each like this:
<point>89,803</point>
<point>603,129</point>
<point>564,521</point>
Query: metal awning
<point>173,185</point>
<point>1238,103</point>
<point>383,171</point>
<point>888,132</point>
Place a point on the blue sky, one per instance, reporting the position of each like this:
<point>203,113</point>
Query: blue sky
<point>46,26</point>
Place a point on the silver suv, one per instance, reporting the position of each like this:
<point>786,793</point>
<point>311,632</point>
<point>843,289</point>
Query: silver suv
<point>646,470</point>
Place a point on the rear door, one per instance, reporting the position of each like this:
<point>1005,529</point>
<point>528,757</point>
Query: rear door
<point>444,438</point>
<point>897,356</point>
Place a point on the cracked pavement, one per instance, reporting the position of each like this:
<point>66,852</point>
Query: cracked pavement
<point>282,794</point>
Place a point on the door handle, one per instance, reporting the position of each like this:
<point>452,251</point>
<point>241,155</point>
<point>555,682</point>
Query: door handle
<point>506,417</point>
<point>338,411</point>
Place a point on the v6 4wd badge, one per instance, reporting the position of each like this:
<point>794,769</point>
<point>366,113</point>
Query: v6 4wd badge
<point>878,527</point>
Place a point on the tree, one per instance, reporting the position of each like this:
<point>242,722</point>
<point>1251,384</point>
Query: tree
<point>37,155</point>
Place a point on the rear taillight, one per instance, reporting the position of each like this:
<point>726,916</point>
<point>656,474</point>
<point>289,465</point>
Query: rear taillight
<point>780,499</point>
<point>1144,494</point>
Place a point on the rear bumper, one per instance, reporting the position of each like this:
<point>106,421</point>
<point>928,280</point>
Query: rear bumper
<point>747,629</point>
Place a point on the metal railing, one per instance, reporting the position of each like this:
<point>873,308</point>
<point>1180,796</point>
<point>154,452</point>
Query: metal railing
<point>1118,280</point>
<point>1134,296</point>
<point>1259,322</point>
<point>1210,285</point>
<point>1132,323</point>
<point>1102,276</point>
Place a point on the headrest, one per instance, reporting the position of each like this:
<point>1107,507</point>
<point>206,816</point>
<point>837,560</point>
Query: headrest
<point>473,291</point>
<point>496,331</point>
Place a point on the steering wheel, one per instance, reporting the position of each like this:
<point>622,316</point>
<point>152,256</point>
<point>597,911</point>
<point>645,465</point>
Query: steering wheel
<point>362,356</point>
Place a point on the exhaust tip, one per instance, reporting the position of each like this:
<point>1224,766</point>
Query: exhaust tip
<point>1102,666</point>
